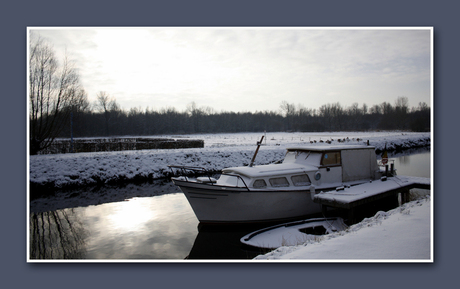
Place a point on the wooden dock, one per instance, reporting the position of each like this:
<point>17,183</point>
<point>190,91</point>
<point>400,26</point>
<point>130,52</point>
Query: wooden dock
<point>351,197</point>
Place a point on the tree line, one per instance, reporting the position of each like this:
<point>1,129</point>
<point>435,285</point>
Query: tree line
<point>59,107</point>
<point>290,117</point>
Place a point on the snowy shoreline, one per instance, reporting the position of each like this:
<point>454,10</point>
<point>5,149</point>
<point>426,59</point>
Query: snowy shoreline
<point>48,172</point>
<point>401,234</point>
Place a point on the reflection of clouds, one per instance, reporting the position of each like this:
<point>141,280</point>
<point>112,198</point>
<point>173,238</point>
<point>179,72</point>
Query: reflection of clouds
<point>161,227</point>
<point>130,215</point>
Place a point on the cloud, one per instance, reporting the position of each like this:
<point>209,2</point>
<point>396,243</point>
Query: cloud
<point>248,69</point>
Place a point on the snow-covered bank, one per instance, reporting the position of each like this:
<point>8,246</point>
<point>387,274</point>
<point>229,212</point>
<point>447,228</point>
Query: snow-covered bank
<point>220,151</point>
<point>402,234</point>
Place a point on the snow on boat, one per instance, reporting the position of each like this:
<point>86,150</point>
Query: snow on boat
<point>293,233</point>
<point>277,192</point>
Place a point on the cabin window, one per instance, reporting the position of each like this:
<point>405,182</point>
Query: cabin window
<point>301,180</point>
<point>331,159</point>
<point>279,182</point>
<point>259,184</point>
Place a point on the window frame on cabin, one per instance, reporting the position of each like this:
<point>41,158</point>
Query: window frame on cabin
<point>334,159</point>
<point>274,182</point>
<point>299,183</point>
<point>254,185</point>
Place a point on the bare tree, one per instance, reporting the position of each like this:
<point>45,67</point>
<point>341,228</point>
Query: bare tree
<point>104,103</point>
<point>355,116</point>
<point>289,110</point>
<point>401,110</point>
<point>196,115</point>
<point>108,106</point>
<point>332,114</point>
<point>53,90</point>
<point>402,104</point>
<point>376,109</point>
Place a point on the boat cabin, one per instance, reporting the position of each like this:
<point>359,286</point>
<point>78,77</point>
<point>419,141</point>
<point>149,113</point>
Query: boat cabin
<point>314,166</point>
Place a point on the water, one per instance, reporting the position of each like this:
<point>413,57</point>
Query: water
<point>144,222</point>
<point>417,165</point>
<point>159,227</point>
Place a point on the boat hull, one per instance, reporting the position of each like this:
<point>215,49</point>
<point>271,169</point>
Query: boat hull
<point>221,204</point>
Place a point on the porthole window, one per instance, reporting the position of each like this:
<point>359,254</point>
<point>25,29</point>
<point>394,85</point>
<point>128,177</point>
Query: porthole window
<point>279,182</point>
<point>301,180</point>
<point>259,184</point>
<point>317,176</point>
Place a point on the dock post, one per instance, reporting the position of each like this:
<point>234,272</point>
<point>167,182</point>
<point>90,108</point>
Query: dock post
<point>404,195</point>
<point>351,216</point>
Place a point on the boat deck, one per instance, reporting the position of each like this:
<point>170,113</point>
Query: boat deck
<point>351,197</point>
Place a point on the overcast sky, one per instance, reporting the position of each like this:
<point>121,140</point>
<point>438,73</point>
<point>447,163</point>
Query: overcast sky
<point>248,69</point>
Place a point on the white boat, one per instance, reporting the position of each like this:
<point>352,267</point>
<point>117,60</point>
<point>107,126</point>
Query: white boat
<point>279,191</point>
<point>294,233</point>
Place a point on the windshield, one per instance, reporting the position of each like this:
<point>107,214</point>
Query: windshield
<point>303,157</point>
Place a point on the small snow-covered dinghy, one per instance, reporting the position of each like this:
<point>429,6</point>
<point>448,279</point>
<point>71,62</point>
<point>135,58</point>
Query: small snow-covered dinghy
<point>293,233</point>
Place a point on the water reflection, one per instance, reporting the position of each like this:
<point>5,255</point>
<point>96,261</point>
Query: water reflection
<point>57,235</point>
<point>160,227</point>
<point>223,242</point>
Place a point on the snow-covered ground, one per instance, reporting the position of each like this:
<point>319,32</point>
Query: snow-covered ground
<point>402,234</point>
<point>220,151</point>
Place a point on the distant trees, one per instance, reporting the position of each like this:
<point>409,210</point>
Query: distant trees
<point>290,117</point>
<point>401,110</point>
<point>420,118</point>
<point>333,116</point>
<point>54,90</point>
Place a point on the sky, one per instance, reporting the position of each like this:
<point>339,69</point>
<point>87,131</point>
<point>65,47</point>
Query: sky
<point>248,69</point>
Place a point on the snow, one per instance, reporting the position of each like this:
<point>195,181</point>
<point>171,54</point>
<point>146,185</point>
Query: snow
<point>351,194</point>
<point>220,151</point>
<point>402,234</point>
<point>290,234</point>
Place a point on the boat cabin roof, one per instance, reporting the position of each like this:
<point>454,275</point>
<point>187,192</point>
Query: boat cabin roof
<point>268,170</point>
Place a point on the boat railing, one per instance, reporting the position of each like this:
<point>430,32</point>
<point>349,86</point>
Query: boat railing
<point>185,170</point>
